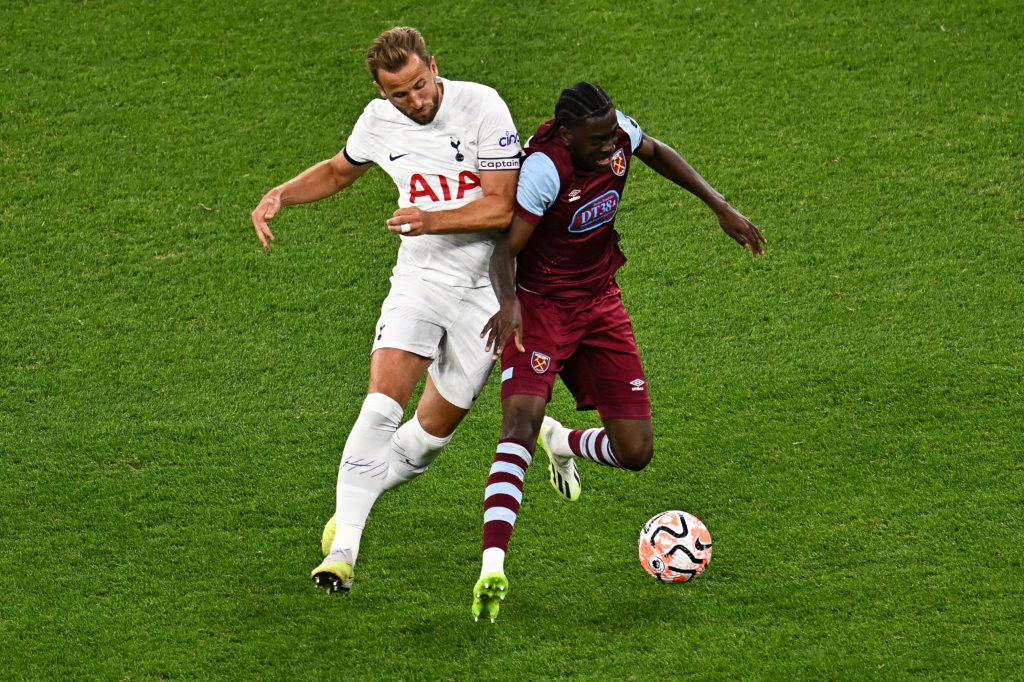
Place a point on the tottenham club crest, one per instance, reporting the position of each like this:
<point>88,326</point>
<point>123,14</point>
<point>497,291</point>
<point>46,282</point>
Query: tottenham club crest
<point>619,162</point>
<point>459,156</point>
<point>540,362</point>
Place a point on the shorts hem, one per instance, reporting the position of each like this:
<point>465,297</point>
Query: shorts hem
<point>540,390</point>
<point>641,411</point>
<point>427,352</point>
<point>446,395</point>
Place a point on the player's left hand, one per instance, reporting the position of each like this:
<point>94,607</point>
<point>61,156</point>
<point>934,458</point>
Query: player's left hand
<point>505,324</point>
<point>410,221</point>
<point>742,230</point>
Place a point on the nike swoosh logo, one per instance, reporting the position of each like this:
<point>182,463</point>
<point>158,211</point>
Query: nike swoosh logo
<point>395,157</point>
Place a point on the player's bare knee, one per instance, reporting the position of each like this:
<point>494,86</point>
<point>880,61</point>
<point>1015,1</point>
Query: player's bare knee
<point>438,425</point>
<point>521,420</point>
<point>637,456</point>
<point>523,428</point>
<point>633,446</point>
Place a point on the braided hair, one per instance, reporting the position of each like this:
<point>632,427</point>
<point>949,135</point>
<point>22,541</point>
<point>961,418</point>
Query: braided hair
<point>577,104</point>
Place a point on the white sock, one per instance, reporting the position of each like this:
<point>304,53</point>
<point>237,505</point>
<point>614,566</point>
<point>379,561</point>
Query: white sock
<point>412,451</point>
<point>494,561</point>
<point>559,440</point>
<point>364,466</point>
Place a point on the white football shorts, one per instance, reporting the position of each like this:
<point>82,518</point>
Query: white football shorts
<point>441,322</point>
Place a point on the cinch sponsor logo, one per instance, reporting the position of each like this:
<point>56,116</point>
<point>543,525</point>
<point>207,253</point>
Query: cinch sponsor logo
<point>595,213</point>
<point>499,164</point>
<point>508,139</point>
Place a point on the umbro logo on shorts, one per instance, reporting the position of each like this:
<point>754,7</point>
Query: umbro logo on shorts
<point>638,384</point>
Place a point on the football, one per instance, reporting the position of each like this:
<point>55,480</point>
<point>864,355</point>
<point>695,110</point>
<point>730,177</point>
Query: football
<point>675,546</point>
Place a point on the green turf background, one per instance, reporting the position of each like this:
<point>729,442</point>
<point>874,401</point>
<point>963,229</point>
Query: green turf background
<point>844,413</point>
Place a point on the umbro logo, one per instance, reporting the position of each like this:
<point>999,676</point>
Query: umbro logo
<point>637,384</point>
<point>395,157</point>
<point>574,195</point>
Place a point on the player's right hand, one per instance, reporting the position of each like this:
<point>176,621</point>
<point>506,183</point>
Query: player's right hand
<point>266,210</point>
<point>505,323</point>
<point>739,227</point>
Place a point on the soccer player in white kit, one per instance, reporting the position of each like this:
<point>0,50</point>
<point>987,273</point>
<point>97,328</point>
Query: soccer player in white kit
<point>453,152</point>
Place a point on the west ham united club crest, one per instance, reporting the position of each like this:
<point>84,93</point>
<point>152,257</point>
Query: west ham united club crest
<point>619,163</point>
<point>540,362</point>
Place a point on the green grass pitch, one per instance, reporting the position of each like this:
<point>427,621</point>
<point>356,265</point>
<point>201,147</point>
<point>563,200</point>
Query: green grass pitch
<point>845,414</point>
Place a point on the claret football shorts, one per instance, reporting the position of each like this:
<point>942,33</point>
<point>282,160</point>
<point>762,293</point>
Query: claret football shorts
<point>440,322</point>
<point>589,343</point>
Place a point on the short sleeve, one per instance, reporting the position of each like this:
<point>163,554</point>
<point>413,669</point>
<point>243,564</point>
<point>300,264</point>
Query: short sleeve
<point>357,150</point>
<point>631,127</point>
<point>538,184</point>
<point>499,147</point>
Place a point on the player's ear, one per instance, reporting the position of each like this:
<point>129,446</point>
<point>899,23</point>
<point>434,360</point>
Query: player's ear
<point>566,135</point>
<point>433,66</point>
<point>380,90</point>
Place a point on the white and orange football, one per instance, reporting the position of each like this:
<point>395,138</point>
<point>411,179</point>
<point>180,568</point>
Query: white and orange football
<point>675,546</point>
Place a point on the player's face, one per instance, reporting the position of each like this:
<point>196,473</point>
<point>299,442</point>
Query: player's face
<point>592,142</point>
<point>413,89</point>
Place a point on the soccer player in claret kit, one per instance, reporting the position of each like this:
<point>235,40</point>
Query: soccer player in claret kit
<point>453,152</point>
<point>554,275</point>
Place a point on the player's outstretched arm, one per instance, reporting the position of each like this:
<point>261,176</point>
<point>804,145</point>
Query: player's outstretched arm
<point>318,182</point>
<point>668,162</point>
<point>492,211</point>
<point>507,322</point>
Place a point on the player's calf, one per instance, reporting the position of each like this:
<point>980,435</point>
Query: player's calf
<point>413,449</point>
<point>623,443</point>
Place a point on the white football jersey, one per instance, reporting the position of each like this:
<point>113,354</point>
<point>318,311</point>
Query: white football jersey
<point>437,167</point>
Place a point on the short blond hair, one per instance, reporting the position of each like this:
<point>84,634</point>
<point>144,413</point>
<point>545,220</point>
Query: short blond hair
<point>391,50</point>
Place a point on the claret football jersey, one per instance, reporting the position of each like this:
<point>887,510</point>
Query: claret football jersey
<point>437,166</point>
<point>574,250</point>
